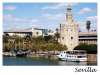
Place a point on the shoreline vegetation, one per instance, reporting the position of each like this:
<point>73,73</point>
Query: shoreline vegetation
<point>42,46</point>
<point>39,43</point>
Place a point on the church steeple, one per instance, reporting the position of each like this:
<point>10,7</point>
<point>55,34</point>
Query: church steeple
<point>69,14</point>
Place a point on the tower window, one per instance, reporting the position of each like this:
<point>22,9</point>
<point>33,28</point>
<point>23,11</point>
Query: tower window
<point>62,38</point>
<point>71,38</point>
<point>71,30</point>
<point>66,30</point>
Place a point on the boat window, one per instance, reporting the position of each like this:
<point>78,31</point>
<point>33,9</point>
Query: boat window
<point>81,56</point>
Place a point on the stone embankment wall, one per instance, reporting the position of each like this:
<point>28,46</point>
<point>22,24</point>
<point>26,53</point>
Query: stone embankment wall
<point>43,56</point>
<point>90,57</point>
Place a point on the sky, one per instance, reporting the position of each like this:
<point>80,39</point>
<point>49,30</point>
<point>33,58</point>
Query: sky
<point>47,15</point>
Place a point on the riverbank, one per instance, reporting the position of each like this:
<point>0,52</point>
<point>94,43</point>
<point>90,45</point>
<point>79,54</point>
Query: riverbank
<point>90,57</point>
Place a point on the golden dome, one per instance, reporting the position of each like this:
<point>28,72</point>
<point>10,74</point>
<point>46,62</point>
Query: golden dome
<point>69,8</point>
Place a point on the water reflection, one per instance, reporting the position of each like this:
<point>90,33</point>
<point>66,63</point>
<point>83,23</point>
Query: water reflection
<point>67,63</point>
<point>10,61</point>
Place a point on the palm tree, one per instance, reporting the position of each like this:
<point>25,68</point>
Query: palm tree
<point>57,35</point>
<point>28,39</point>
<point>88,27</point>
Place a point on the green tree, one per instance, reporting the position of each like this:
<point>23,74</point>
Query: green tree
<point>90,48</point>
<point>88,27</point>
<point>47,38</point>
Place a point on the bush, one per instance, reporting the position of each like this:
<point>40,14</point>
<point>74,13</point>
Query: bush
<point>91,48</point>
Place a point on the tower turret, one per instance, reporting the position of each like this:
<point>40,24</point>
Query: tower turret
<point>69,14</point>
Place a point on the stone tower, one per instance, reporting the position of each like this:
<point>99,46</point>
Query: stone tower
<point>69,31</point>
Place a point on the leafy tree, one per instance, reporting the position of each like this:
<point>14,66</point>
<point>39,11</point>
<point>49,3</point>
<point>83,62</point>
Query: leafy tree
<point>47,38</point>
<point>91,48</point>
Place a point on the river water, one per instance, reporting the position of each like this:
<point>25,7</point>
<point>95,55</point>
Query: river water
<point>16,61</point>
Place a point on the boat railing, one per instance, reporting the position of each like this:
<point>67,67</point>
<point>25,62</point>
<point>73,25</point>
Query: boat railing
<point>77,54</point>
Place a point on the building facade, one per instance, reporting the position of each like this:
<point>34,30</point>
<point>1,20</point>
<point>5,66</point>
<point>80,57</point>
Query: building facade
<point>69,31</point>
<point>89,38</point>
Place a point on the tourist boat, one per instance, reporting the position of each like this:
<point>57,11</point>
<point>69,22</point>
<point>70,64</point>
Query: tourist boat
<point>73,55</point>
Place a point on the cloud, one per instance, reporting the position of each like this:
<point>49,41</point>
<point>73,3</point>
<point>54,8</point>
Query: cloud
<point>92,18</point>
<point>84,10</point>
<point>33,25</point>
<point>93,24</point>
<point>14,20</point>
<point>10,18</point>
<point>59,6</point>
<point>11,8</point>
<point>83,28</point>
<point>54,17</point>
<point>81,22</point>
<point>33,20</point>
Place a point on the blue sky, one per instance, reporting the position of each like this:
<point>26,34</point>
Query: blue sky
<point>47,15</point>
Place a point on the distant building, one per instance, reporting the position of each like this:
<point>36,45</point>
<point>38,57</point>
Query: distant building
<point>90,38</point>
<point>69,31</point>
<point>33,31</point>
<point>51,32</point>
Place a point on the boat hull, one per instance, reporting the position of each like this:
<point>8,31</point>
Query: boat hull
<point>72,59</point>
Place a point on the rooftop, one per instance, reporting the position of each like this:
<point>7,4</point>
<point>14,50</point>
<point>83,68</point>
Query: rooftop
<point>17,30</point>
<point>86,33</point>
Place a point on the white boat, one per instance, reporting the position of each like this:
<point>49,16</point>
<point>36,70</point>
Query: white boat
<point>73,55</point>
